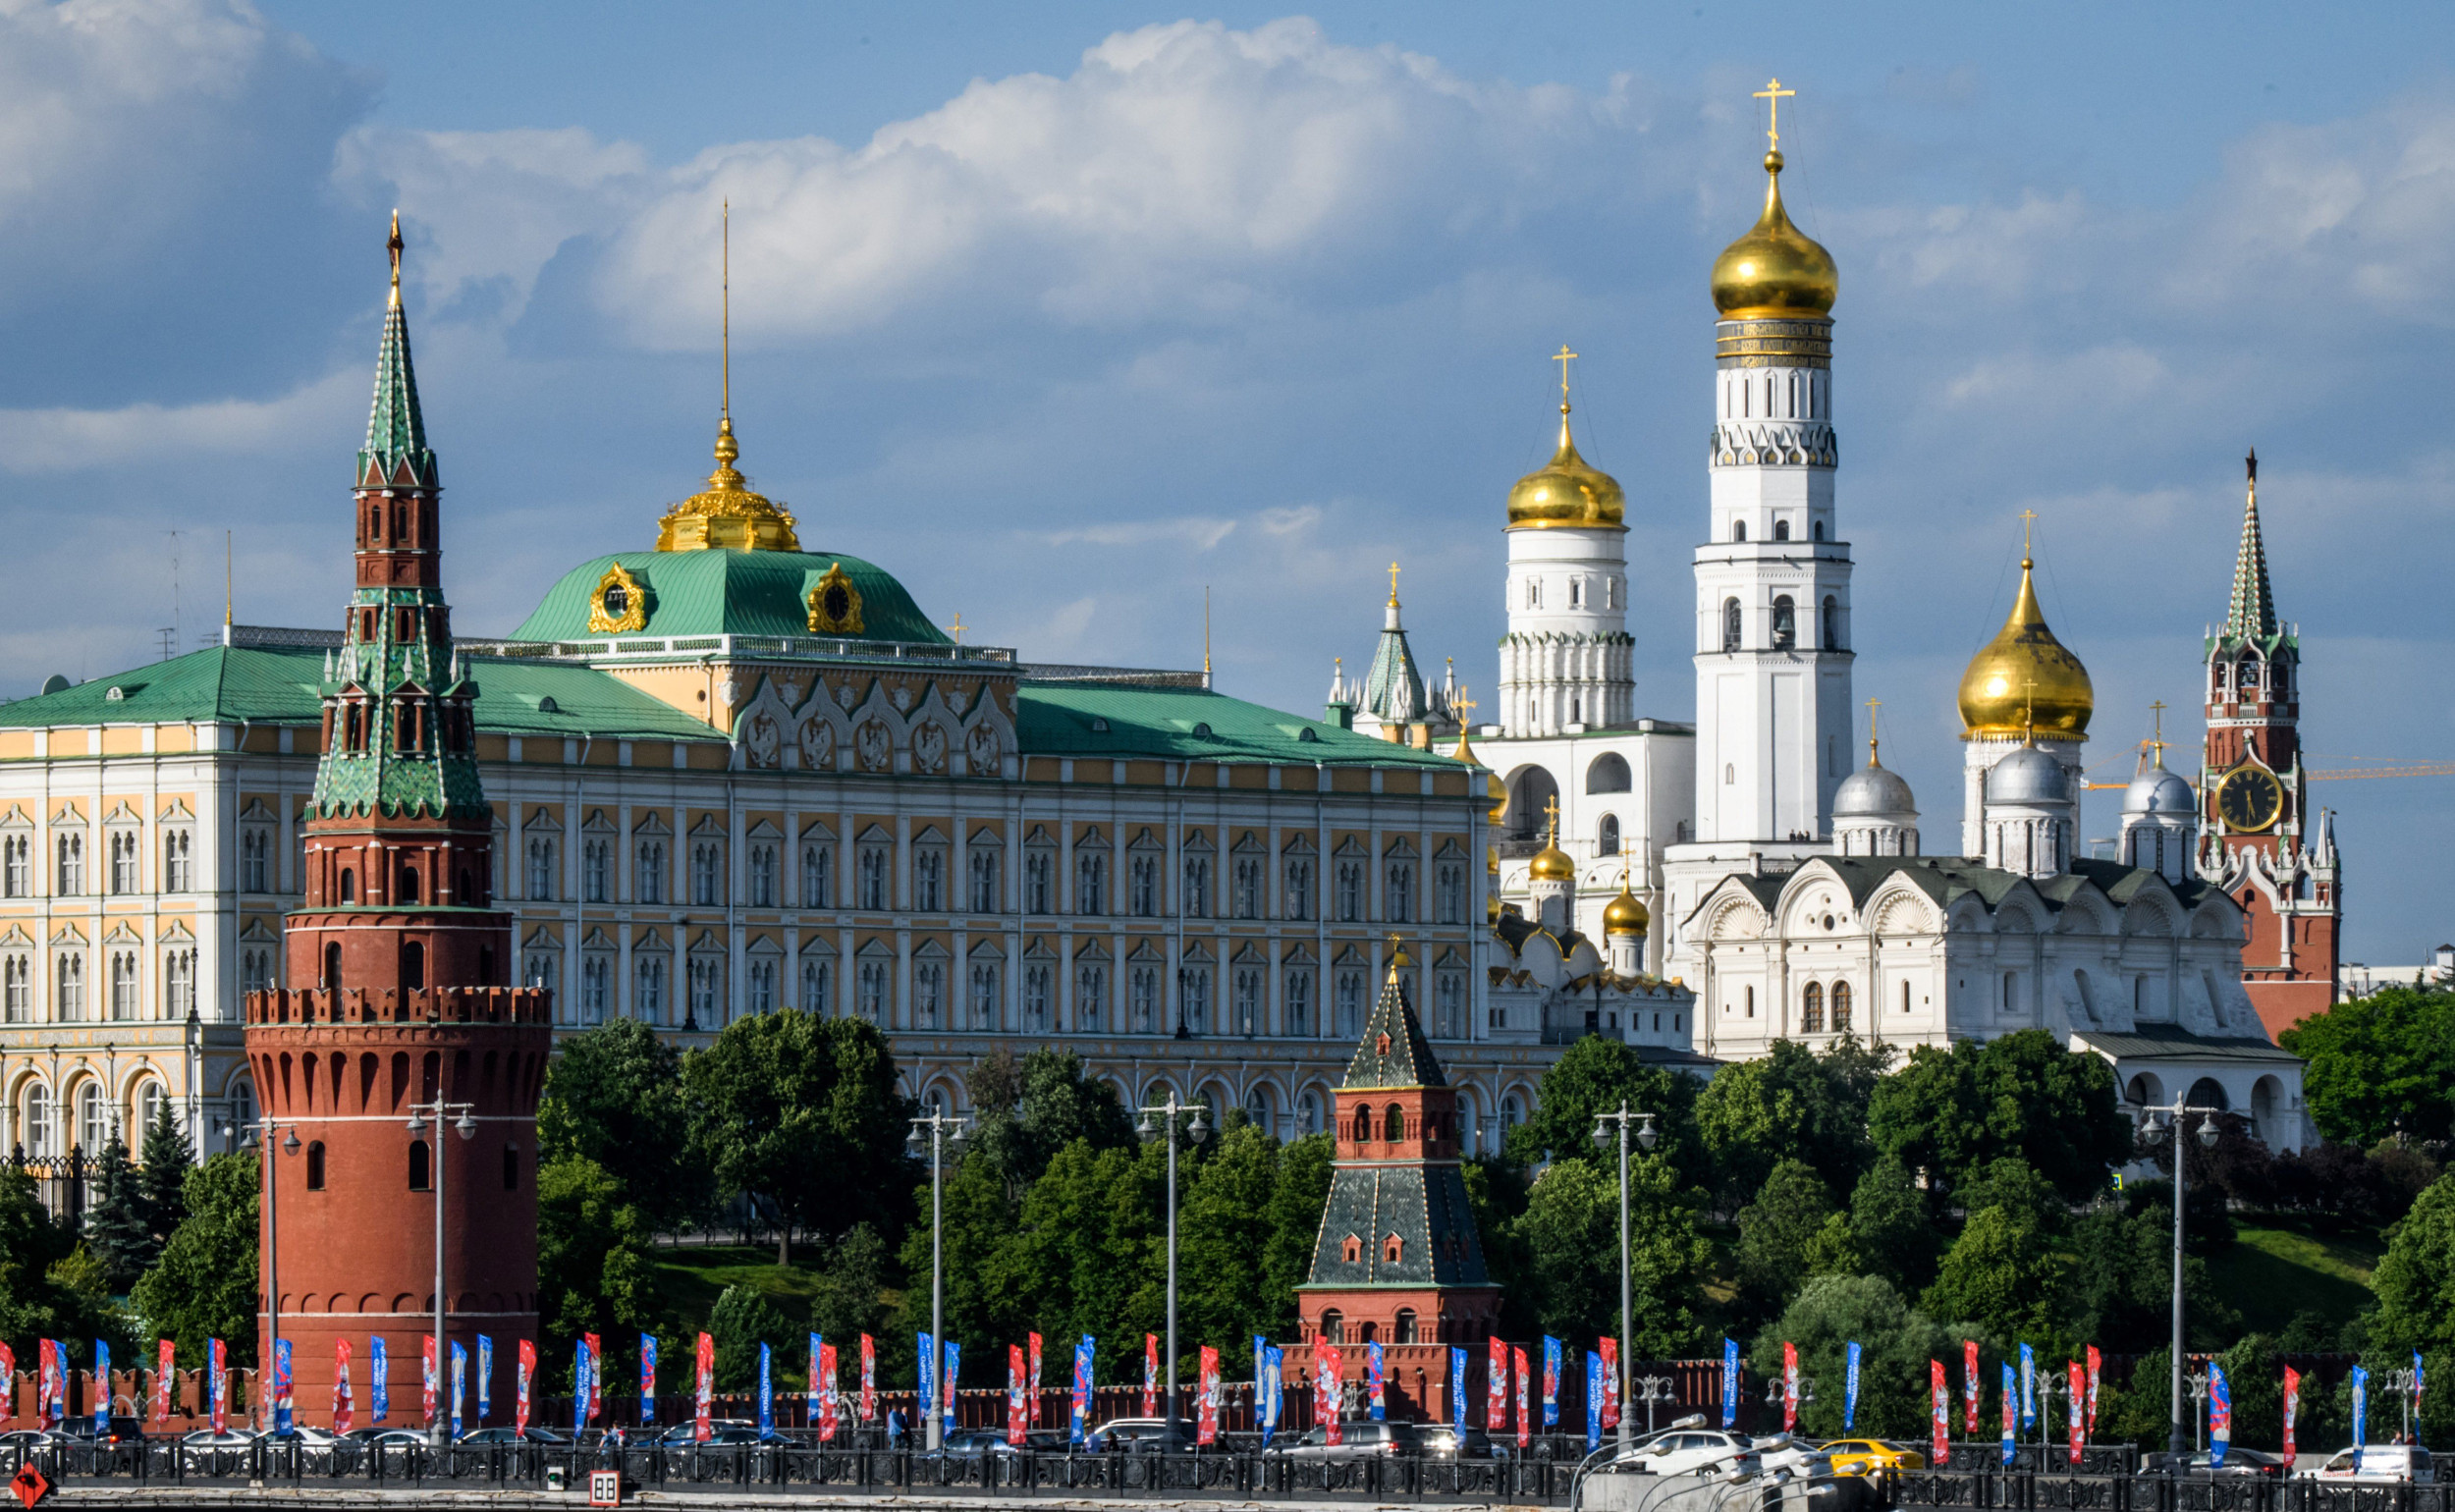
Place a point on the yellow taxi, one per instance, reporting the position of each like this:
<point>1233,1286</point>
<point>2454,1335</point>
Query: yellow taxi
<point>1870,1457</point>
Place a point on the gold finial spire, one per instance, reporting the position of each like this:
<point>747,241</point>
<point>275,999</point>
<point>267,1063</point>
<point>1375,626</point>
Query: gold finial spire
<point>725,297</point>
<point>1773,94</point>
<point>1397,959</point>
<point>1551,821</point>
<point>726,515</point>
<point>1206,634</point>
<point>1394,585</point>
<point>226,593</point>
<point>2156,741</point>
<point>956,629</point>
<point>2029,716</point>
<point>392,247</point>
<point>1873,704</point>
<point>2028,523</point>
<point>1465,707</point>
<point>1564,358</point>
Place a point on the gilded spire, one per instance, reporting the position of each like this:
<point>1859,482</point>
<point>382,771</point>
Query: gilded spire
<point>2250,613</point>
<point>1567,490</point>
<point>2024,679</point>
<point>1776,272</point>
<point>396,431</point>
<point>726,515</point>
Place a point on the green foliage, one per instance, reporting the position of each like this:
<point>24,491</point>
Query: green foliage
<point>1027,1110</point>
<point>594,1273</point>
<point>1572,1232</point>
<point>1597,1075</point>
<point>1781,1237</point>
<point>850,1297</point>
<point>2001,1275</point>
<point>1899,1340</point>
<point>614,1098</point>
<point>2416,1285</point>
<point>2379,1066</point>
<point>1950,1112</point>
<point>742,1321</point>
<point>168,1156</point>
<point>803,1113</point>
<point>1889,1232</point>
<point>1222,1294</point>
<point>1497,1190</point>
<point>2121,1281</point>
<point>32,1305</point>
<point>1795,1105</point>
<point>116,1228</point>
<point>205,1285</point>
<point>1091,1228</point>
<point>1294,1222</point>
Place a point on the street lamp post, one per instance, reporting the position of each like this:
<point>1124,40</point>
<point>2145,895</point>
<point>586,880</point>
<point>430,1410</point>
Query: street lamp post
<point>2049,1385</point>
<point>2199,1410</point>
<point>1160,1121</point>
<point>1643,1123</point>
<point>2406,1385</point>
<point>464,1125</point>
<point>2155,1123</point>
<point>262,1130</point>
<point>1650,1390</point>
<point>942,1128</point>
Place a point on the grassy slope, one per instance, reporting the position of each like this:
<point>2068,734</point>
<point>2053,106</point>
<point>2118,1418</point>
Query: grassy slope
<point>2274,1273</point>
<point>690,1281</point>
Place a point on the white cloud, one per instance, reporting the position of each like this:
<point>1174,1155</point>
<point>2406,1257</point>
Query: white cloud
<point>63,440</point>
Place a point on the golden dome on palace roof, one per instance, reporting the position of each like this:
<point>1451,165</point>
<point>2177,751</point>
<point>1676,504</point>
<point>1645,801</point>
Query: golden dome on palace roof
<point>726,515</point>
<point>1552,864</point>
<point>1624,916</point>
<point>2025,677</point>
<point>1566,490</point>
<point>1776,271</point>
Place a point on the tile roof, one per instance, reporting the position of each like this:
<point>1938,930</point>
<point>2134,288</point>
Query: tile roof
<point>1115,720</point>
<point>1393,1051</point>
<point>2169,1042</point>
<point>730,593</point>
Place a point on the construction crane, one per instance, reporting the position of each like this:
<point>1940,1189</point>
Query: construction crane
<point>2348,774</point>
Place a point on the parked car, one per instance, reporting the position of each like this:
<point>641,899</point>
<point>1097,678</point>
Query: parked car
<point>684,1433</point>
<point>1139,1436</point>
<point>2239,1462</point>
<point>1356,1440</point>
<point>505,1434</point>
<point>1694,1451</point>
<point>1786,1453</point>
<point>2379,1464</point>
<point>1872,1457</point>
<point>205,1447</point>
<point>385,1438</point>
<point>122,1430</point>
<point>973,1443</point>
<point>1448,1442</point>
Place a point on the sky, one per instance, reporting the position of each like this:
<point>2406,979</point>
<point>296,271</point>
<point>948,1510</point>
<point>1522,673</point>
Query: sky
<point>1070,313</point>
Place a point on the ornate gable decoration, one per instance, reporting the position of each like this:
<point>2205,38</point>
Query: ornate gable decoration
<point>834,604</point>
<point>620,606</point>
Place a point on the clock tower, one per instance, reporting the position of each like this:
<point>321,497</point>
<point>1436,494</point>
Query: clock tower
<point>2259,839</point>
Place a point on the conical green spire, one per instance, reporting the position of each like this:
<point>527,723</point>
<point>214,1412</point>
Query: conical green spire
<point>2250,613</point>
<point>396,433</point>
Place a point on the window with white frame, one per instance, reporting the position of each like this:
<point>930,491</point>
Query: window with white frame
<point>986,867</point>
<point>16,871</point>
<point>1039,870</point>
<point>983,995</point>
<point>596,871</point>
<point>818,984</point>
<point>93,1117</point>
<point>762,876</point>
<point>1300,1002</point>
<point>1248,886</point>
<point>540,868</point>
<point>256,856</point>
<point>1143,890</point>
<point>1090,883</point>
<point>152,1101</point>
<point>179,866</point>
<point>1401,899</point>
<point>873,879</point>
<point>1350,891</point>
<point>651,882</point>
<point>1248,1000</point>
<point>1299,887</point>
<point>648,993</point>
<point>1090,997</point>
<point>16,989</point>
<point>1350,1004</point>
<point>1143,1004</point>
<point>707,872</point>
<point>1449,997</point>
<point>929,872</point>
<point>873,990</point>
<point>251,970</point>
<point>1037,998</point>
<point>707,989</point>
<point>1449,885</point>
<point>71,872</point>
<point>1197,887</point>
<point>179,981</point>
<point>818,874</point>
<point>929,985</point>
<point>1197,998</point>
<point>123,986</point>
<point>39,1130</point>
<point>596,980</point>
<point>124,858</point>
<point>758,990</point>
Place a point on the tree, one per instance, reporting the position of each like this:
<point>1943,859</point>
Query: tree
<point>32,1304</point>
<point>802,1112</point>
<point>1778,1236</point>
<point>1026,1111</point>
<point>2001,1275</point>
<point>1086,1253</point>
<point>614,1098</point>
<point>2416,1285</point>
<point>1792,1105</point>
<point>1889,1231</point>
<point>594,1273</point>
<point>168,1155</point>
<point>1952,1110</point>
<point>205,1287</point>
<point>1572,1232</point>
<point>1897,1340</point>
<point>1222,1294</point>
<point>116,1227</point>
<point>2379,1066</point>
<point>2121,1282</point>
<point>1296,1202</point>
<point>850,1299</point>
<point>741,1320</point>
<point>1594,1076</point>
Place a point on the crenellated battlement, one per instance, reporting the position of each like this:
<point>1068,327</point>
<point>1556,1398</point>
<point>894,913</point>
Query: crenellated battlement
<point>508,1005</point>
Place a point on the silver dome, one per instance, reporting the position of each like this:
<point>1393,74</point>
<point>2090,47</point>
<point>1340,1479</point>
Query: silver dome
<point>1872,792</point>
<point>2028,776</point>
<point>2159,791</point>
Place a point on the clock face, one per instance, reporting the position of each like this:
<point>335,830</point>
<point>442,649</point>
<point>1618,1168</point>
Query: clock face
<point>2249,801</point>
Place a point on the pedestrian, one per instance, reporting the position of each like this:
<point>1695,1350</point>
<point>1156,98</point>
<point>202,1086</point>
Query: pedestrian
<point>895,1427</point>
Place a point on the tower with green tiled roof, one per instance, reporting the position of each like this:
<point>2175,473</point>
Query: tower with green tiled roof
<point>1398,1259</point>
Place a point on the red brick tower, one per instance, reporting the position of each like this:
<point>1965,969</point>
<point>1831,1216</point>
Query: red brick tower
<point>408,959</point>
<point>1398,1259</point>
<point>2259,839</point>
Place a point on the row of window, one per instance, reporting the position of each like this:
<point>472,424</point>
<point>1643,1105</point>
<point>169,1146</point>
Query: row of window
<point>1784,625</point>
<point>95,1120</point>
<point>123,876</point>
<point>1790,395</point>
<point>1781,530</point>
<point>1822,1008</point>
<point>1581,594</point>
<point>124,998</point>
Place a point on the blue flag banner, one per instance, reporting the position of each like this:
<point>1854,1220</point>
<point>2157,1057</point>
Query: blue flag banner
<point>647,1379</point>
<point>102,1385</point>
<point>2219,1414</point>
<point>817,1342</point>
<point>2028,1388</point>
<point>1082,1384</point>
<point>485,1374</point>
<point>2416,1382</point>
<point>1729,1381</point>
<point>2011,1391</point>
<point>767,1392</point>
<point>2361,1415</point>
<point>1849,1398</point>
<point>1594,1401</point>
<point>584,1367</point>
<point>926,1387</point>
<point>1374,1400</point>
<point>1457,1387</point>
<point>953,1373</point>
<point>1551,1381</point>
<point>1274,1366</point>
<point>379,1390</point>
<point>460,1383</point>
<point>285,1414</point>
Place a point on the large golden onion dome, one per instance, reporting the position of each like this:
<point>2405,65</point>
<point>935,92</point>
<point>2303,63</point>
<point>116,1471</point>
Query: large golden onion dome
<point>1776,271</point>
<point>2025,674</point>
<point>1552,864</point>
<point>1624,916</point>
<point>1566,490</point>
<point>726,515</point>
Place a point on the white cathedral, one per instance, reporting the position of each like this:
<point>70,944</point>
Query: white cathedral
<point>1703,887</point>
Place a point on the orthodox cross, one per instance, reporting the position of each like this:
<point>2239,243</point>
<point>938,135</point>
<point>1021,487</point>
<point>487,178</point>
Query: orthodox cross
<point>956,629</point>
<point>2157,742</point>
<point>393,249</point>
<point>1773,94</point>
<point>1463,705</point>
<point>2028,519</point>
<point>1393,582</point>
<point>1873,704</point>
<point>1564,358</point>
<point>1552,815</point>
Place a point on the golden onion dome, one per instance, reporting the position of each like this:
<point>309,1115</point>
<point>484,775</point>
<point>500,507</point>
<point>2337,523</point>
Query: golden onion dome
<point>1776,271</point>
<point>1566,490</point>
<point>725,514</point>
<point>2025,677</point>
<point>1552,864</point>
<point>1624,916</point>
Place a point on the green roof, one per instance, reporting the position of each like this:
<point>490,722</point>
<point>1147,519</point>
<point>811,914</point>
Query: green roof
<point>228,684</point>
<point>1115,720</point>
<point>730,593</point>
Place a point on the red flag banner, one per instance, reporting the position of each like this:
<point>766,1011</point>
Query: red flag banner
<point>827,1410</point>
<point>343,1407</point>
<point>2292,1410</point>
<point>1496,1389</point>
<point>1035,1381</point>
<point>1969,1385</point>
<point>1789,1388</point>
<point>2076,1401</point>
<point>1017,1416</point>
<point>2096,1363</point>
<point>527,1384</point>
<point>1525,1425</point>
<point>1328,1389</point>
<point>869,1378</point>
<point>1206,1413</point>
<point>165,1370</point>
<point>1150,1375</point>
<point>1942,1445</point>
<point>1610,1383</point>
<point>704,1392</point>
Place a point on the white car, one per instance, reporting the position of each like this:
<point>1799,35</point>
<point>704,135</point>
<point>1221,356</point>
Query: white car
<point>2377,1464</point>
<point>1693,1451</point>
<point>1781,1453</point>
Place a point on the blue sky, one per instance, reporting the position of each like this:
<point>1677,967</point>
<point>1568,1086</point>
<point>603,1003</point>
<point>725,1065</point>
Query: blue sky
<point>1063,312</point>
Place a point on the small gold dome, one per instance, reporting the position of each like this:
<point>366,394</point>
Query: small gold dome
<point>1624,916</point>
<point>1776,272</point>
<point>1552,864</point>
<point>1566,490</point>
<point>2024,674</point>
<point>726,515</point>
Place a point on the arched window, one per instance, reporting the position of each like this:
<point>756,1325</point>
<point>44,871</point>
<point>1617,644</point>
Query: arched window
<point>1308,1114</point>
<point>1840,1008</point>
<point>316,1167</point>
<point>412,965</point>
<point>1529,799</point>
<point>2208,1092</point>
<point>38,1132</point>
<point>1781,530</point>
<point>1785,623</point>
<point>1402,1328</point>
<point>1812,1010</point>
<point>421,1167</point>
<point>1607,835</point>
<point>1392,1250</point>
<point>1394,1124</point>
<point>409,885</point>
<point>1817,530</point>
<point>1333,1326</point>
<point>2011,991</point>
<point>332,966</point>
<point>349,885</point>
<point>1829,637</point>
<point>1608,773</point>
<point>1738,529</point>
<point>1731,625</point>
<point>1363,1125</point>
